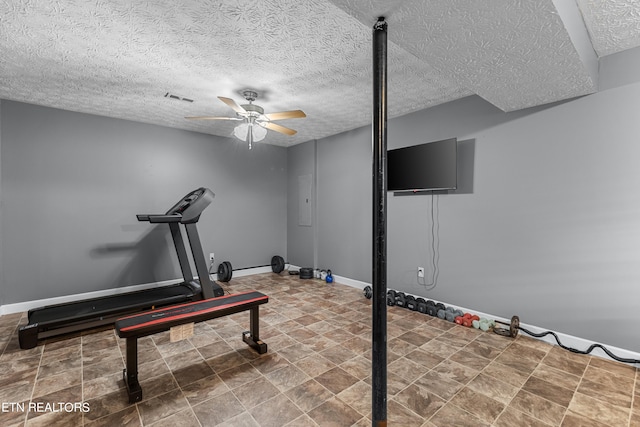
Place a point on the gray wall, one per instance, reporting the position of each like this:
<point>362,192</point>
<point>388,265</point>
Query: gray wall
<point>344,204</point>
<point>71,185</point>
<point>547,226</point>
<point>301,161</point>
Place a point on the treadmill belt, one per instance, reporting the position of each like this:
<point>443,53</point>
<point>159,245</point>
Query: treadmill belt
<point>103,306</point>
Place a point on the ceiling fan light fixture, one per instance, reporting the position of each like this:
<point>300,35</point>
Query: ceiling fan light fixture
<point>258,133</point>
<point>248,132</point>
<point>240,131</point>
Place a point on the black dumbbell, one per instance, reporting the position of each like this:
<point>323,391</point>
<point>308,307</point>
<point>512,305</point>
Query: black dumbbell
<point>401,299</point>
<point>391,297</point>
<point>432,310</point>
<point>410,303</point>
<point>421,305</point>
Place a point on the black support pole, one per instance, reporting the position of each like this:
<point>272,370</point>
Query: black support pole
<point>379,314</point>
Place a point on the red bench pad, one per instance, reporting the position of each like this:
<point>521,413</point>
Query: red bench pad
<point>163,319</point>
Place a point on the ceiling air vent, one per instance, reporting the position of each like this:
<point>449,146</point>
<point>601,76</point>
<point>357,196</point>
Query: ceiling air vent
<point>176,97</point>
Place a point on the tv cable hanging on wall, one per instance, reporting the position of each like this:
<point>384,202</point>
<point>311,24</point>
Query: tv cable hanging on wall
<point>435,243</point>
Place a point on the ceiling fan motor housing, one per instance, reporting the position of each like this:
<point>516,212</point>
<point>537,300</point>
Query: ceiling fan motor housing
<point>253,110</point>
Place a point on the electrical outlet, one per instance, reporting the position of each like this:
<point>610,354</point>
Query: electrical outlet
<point>420,271</point>
<point>212,256</point>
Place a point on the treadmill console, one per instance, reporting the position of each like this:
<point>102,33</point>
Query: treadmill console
<point>186,211</point>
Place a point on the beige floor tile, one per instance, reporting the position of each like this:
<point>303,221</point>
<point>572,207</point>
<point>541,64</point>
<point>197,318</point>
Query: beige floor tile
<point>317,371</point>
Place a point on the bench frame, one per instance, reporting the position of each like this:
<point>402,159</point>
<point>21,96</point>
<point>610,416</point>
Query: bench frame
<point>140,325</point>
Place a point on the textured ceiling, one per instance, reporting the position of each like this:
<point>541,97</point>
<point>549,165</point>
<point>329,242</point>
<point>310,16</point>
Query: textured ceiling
<point>119,58</point>
<point>614,25</point>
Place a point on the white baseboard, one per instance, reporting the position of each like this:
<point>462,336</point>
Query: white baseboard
<point>350,282</point>
<point>566,340</point>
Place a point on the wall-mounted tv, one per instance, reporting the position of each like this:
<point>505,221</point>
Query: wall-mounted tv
<point>423,167</point>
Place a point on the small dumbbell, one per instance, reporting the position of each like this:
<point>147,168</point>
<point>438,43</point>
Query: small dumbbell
<point>447,313</point>
<point>391,297</point>
<point>421,305</point>
<point>431,308</point>
<point>451,314</point>
<point>468,319</point>
<point>485,324</point>
<point>401,299</point>
<point>410,303</point>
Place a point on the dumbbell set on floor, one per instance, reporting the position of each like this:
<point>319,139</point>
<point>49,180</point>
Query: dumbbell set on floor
<point>451,314</point>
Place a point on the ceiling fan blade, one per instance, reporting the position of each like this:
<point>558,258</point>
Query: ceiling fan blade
<point>212,118</point>
<point>277,128</point>
<point>294,114</point>
<point>231,103</point>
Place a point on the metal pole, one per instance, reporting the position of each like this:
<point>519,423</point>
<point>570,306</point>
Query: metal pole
<point>379,314</point>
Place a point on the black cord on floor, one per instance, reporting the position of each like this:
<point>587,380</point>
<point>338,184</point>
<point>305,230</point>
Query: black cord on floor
<point>573,350</point>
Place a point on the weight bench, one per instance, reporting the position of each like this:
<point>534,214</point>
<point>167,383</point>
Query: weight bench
<point>163,319</point>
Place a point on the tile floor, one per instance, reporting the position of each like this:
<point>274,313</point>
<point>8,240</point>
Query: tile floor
<point>316,372</point>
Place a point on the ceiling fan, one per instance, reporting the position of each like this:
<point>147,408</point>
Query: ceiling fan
<point>254,122</point>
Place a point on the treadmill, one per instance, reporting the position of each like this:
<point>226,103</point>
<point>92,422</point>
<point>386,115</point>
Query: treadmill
<point>59,319</point>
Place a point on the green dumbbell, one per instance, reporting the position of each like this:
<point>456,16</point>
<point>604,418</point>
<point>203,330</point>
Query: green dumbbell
<point>484,324</point>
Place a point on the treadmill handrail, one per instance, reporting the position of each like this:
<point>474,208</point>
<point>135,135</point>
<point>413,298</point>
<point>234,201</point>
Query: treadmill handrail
<point>161,218</point>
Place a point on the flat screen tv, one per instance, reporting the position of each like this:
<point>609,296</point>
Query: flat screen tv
<point>423,167</point>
